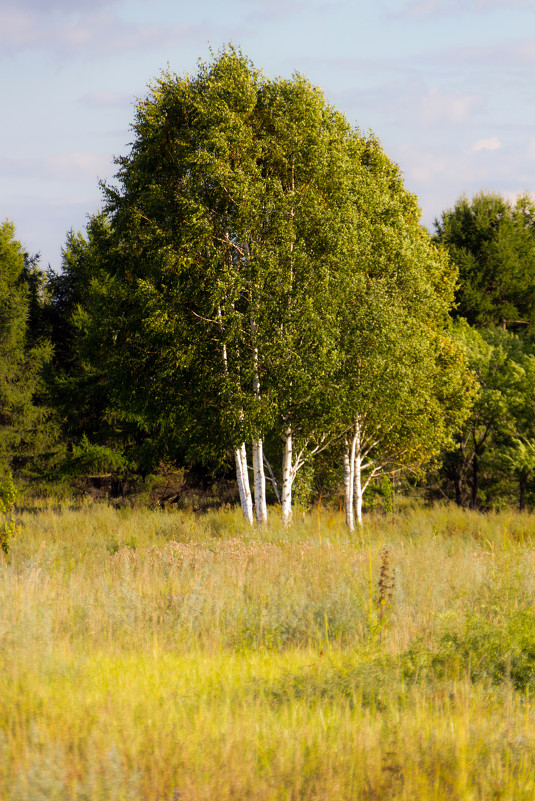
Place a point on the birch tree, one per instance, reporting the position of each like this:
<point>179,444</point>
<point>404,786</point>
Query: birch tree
<point>240,222</point>
<point>231,221</point>
<point>185,216</point>
<point>405,387</point>
<point>310,164</point>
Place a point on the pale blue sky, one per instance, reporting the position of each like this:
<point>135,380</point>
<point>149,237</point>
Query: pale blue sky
<point>447,85</point>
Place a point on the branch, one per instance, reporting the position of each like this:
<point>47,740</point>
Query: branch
<point>365,451</point>
<point>299,461</point>
<point>227,241</point>
<point>324,443</point>
<point>273,480</point>
<point>204,319</point>
<point>372,475</point>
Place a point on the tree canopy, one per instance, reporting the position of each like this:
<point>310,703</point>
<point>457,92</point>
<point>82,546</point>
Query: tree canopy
<point>257,289</point>
<point>244,223</point>
<point>492,242</point>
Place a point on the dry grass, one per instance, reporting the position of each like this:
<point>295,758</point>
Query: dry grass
<point>171,657</point>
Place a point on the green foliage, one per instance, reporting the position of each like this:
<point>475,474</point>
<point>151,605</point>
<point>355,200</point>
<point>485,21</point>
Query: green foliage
<point>384,490</point>
<point>219,302</point>
<point>88,459</point>
<point>496,441</point>
<point>492,242</point>
<point>304,486</point>
<point>76,379</point>
<point>73,381</point>
<point>404,385</point>
<point>259,269</point>
<point>498,649</point>
<point>26,426</point>
<point>8,498</point>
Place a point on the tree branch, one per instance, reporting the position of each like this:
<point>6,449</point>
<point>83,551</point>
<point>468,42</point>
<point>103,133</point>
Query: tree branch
<point>273,480</point>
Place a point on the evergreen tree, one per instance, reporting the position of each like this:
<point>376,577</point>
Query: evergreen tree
<point>492,242</point>
<point>497,440</point>
<point>25,427</point>
<point>95,429</point>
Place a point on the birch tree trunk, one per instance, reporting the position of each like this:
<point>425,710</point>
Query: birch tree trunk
<point>358,488</point>
<point>348,491</point>
<point>356,453</point>
<point>287,476</point>
<point>259,481</point>
<point>287,450</point>
<point>349,482</point>
<point>258,451</point>
<point>242,476</point>
<point>240,456</point>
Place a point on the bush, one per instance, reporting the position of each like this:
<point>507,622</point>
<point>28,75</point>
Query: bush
<point>8,496</point>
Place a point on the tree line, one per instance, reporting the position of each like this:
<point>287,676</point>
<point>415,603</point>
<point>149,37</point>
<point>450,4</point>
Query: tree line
<point>257,292</point>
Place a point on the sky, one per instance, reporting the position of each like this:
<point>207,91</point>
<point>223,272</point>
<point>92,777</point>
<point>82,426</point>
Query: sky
<point>448,86</point>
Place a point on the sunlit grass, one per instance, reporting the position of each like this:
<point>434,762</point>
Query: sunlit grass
<point>159,655</point>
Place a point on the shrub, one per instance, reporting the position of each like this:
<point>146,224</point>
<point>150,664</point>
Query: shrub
<point>8,496</point>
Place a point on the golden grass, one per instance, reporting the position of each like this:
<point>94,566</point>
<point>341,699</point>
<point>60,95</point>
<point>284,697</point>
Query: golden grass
<point>165,656</point>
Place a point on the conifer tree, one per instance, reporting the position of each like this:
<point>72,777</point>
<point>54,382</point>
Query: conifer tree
<point>24,426</point>
<point>492,242</point>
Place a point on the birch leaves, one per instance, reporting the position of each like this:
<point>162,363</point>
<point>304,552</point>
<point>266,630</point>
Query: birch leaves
<point>250,213</point>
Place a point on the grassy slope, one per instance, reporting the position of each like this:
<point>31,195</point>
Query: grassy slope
<point>163,656</point>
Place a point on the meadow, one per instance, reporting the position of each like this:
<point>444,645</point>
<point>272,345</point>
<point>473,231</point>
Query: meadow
<point>152,655</point>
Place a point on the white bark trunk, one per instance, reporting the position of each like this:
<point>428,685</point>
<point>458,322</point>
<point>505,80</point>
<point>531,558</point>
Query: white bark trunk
<point>242,476</point>
<point>240,456</point>
<point>358,489</point>
<point>357,462</point>
<point>348,487</point>
<point>287,476</point>
<point>259,481</point>
<point>258,450</point>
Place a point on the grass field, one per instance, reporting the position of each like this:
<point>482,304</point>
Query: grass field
<point>167,656</point>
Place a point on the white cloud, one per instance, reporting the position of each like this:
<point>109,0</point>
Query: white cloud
<point>106,98</point>
<point>492,143</point>
<point>269,11</point>
<point>439,105</point>
<point>410,104</point>
<point>482,62</point>
<point>96,31</point>
<point>513,52</point>
<point>422,166</point>
<point>17,29</point>
<point>47,7</point>
<point>59,167</point>
<point>427,8</point>
<point>72,166</point>
<point>439,173</point>
<point>512,196</point>
<point>427,167</point>
<point>531,149</point>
